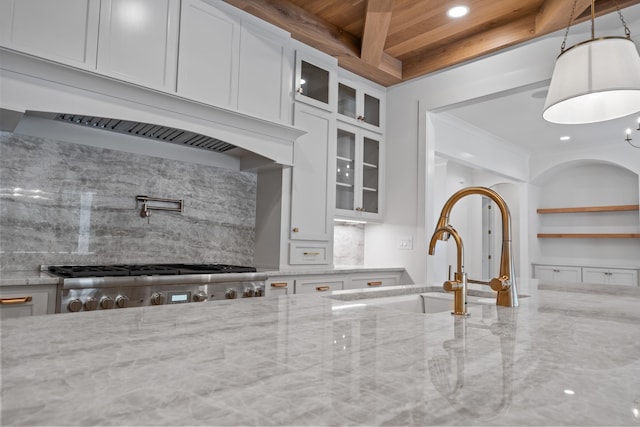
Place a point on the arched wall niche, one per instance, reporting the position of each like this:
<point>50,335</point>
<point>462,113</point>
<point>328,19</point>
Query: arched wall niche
<point>586,183</point>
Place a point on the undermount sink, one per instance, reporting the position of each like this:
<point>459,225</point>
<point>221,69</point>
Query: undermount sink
<point>426,303</point>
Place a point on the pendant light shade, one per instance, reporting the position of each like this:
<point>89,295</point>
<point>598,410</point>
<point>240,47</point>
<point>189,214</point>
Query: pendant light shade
<point>594,81</point>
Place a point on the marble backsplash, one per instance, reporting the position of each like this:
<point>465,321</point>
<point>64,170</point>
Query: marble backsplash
<point>348,244</point>
<point>66,203</point>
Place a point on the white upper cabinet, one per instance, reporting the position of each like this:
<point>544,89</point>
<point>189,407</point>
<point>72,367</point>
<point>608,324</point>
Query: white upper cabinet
<point>266,68</point>
<point>316,80</point>
<point>209,60</point>
<point>310,191</point>
<point>359,173</point>
<point>229,59</point>
<point>138,41</point>
<point>64,31</point>
<point>361,104</point>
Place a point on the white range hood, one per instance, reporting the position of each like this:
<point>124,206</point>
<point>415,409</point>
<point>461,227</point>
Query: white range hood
<point>28,84</point>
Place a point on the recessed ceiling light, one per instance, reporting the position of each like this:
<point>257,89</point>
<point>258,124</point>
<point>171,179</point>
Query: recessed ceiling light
<point>457,11</point>
<point>565,138</point>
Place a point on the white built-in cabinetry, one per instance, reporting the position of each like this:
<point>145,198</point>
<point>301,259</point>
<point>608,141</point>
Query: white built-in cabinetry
<point>360,103</point>
<point>232,61</point>
<point>138,41</point>
<point>322,284</point>
<point>315,79</point>
<point>24,301</point>
<point>359,170</point>
<point>209,52</point>
<point>610,276</point>
<point>360,148</point>
<point>224,58</point>
<point>585,274</point>
<point>558,273</point>
<point>310,218</point>
<point>64,31</point>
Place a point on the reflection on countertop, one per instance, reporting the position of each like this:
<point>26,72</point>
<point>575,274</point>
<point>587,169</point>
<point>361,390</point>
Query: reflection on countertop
<point>564,357</point>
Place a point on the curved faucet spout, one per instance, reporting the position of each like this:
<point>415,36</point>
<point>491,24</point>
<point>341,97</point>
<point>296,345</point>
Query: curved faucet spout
<point>459,245</point>
<point>505,283</point>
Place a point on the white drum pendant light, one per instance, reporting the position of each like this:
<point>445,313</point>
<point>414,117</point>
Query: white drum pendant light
<point>594,81</point>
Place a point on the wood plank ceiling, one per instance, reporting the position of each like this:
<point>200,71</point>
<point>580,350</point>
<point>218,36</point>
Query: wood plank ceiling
<point>390,41</point>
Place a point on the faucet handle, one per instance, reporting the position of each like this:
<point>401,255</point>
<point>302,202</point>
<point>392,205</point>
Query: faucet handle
<point>453,285</point>
<point>500,283</point>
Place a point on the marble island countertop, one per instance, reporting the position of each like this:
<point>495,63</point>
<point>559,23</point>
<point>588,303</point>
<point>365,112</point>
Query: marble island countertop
<point>568,355</point>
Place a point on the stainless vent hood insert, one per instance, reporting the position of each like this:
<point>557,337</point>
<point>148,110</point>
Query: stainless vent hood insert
<point>150,131</point>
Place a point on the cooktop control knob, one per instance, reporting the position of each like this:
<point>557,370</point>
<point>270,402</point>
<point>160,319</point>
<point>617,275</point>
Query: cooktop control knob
<point>122,301</point>
<point>157,298</point>
<point>74,305</point>
<point>90,304</point>
<point>231,294</point>
<point>106,303</point>
<point>259,292</point>
<point>199,296</point>
<point>249,292</point>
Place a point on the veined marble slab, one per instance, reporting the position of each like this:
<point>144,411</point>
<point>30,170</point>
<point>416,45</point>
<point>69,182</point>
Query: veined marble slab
<point>564,357</point>
<point>71,204</point>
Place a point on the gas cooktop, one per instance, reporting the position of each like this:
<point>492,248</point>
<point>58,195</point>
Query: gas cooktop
<point>115,270</point>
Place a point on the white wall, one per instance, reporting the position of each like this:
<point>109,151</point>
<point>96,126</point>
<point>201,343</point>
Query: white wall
<point>588,184</point>
<point>414,187</point>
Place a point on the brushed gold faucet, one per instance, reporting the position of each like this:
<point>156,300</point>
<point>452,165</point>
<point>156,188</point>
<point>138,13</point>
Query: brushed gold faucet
<point>505,283</point>
<point>459,283</point>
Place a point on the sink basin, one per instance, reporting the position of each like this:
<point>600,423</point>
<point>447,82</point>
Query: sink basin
<point>432,302</point>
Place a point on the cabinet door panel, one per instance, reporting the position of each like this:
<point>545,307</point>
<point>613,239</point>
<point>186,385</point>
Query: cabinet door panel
<point>23,303</point>
<point>263,61</point>
<point>138,41</point>
<point>320,285</point>
<point>209,59</point>
<point>569,275</point>
<point>309,192</point>
<point>592,275</point>
<point>63,30</point>
<point>623,277</point>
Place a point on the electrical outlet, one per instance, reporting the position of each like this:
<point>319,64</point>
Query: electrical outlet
<point>405,242</point>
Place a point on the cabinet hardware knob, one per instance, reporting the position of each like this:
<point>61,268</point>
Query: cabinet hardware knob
<point>296,229</point>
<point>279,285</point>
<point>374,283</point>
<point>19,300</point>
<point>322,288</point>
<point>299,90</point>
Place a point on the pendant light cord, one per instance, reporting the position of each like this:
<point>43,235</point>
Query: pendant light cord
<point>627,32</point>
<point>566,33</point>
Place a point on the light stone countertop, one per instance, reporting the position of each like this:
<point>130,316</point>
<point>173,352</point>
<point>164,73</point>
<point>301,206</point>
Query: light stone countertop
<point>337,270</point>
<point>569,355</point>
<point>20,278</point>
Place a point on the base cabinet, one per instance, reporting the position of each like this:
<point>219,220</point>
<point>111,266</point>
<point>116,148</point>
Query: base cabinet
<point>556,273</point>
<point>279,286</point>
<point>24,301</point>
<point>592,275</point>
<point>369,281</point>
<point>319,285</point>
<point>610,276</point>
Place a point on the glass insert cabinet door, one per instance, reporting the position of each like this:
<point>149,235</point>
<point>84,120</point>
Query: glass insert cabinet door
<point>358,106</point>
<point>314,82</point>
<point>345,170</point>
<point>357,173</point>
<point>370,159</point>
